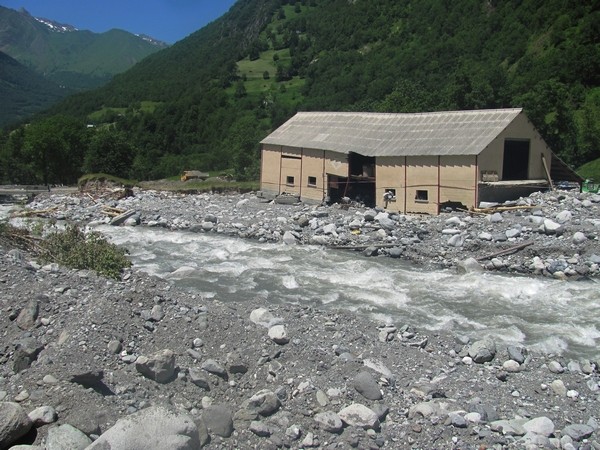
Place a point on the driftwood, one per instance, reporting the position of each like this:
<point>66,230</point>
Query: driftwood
<point>112,212</point>
<point>34,212</point>
<point>501,208</point>
<point>362,247</point>
<point>505,251</point>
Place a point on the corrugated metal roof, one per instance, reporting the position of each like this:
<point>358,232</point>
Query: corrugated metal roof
<point>387,134</point>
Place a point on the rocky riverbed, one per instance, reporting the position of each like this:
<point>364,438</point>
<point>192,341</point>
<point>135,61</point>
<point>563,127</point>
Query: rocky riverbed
<point>553,234</point>
<point>91,362</point>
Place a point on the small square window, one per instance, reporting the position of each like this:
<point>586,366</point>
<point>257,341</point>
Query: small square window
<point>289,181</point>
<point>422,196</point>
<point>312,181</point>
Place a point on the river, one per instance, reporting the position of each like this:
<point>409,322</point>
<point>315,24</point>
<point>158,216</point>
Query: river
<point>544,314</point>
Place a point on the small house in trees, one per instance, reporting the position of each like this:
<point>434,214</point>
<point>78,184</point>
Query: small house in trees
<point>410,163</point>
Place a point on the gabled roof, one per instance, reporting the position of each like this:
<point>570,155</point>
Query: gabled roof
<point>387,134</point>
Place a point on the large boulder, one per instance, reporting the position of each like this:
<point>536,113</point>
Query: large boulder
<point>155,427</point>
<point>66,436</point>
<point>14,423</point>
<point>159,367</point>
<point>357,415</point>
<point>482,351</point>
<point>366,385</point>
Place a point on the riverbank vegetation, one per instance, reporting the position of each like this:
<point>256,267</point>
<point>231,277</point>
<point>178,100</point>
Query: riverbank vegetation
<point>71,247</point>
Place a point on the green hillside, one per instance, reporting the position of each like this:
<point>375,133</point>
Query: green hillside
<point>217,93</point>
<point>23,92</point>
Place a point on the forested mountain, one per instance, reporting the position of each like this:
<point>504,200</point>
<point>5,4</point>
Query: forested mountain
<point>207,101</point>
<point>23,92</point>
<point>72,58</point>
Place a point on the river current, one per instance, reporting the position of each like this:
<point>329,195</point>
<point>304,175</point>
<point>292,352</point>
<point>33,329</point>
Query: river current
<point>544,314</point>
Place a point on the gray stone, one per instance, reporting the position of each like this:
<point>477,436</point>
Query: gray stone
<point>559,388</point>
<point>367,386</point>
<point>26,319</point>
<point>540,425</point>
<point>579,238</point>
<point>115,346</point>
<point>482,351</point>
<point>278,334</point>
<point>457,240</point>
<point>264,403</point>
<point>511,366</point>
<point>218,420</point>
<point>427,409</point>
<point>329,421</point>
<point>564,216</point>
<point>513,233</point>
<point>509,427</point>
<point>496,218</point>
<point>198,378</point>
<point>469,265</point>
<point>159,367</point>
<point>487,412</point>
<point>67,437</point>
<point>157,314</point>
<point>578,432</point>
<point>357,415</point>
<point>289,238</point>
<point>262,317</point>
<point>212,366</point>
<point>26,351</point>
<point>387,223</point>
<point>260,429</point>
<point>516,354</point>
<point>550,227</point>
<point>555,367</point>
<point>14,423</point>
<point>43,415</point>
<point>152,428</point>
<point>458,421</point>
<point>485,236</point>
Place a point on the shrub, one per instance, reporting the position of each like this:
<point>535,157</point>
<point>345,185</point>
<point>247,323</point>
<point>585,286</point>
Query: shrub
<point>78,250</point>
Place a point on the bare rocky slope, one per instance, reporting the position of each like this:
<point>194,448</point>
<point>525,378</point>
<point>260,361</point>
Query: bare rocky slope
<point>136,363</point>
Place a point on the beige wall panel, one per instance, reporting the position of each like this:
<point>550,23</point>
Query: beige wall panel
<point>492,158</point>
<point>291,167</point>
<point>422,175</point>
<point>312,170</point>
<point>291,151</point>
<point>458,179</point>
<point>269,172</point>
<point>336,164</point>
<point>389,173</point>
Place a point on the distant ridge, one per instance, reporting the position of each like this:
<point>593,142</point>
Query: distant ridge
<point>72,58</point>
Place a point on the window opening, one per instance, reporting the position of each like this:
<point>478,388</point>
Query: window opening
<point>312,181</point>
<point>289,181</point>
<point>422,196</point>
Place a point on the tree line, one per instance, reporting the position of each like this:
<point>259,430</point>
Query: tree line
<point>376,55</point>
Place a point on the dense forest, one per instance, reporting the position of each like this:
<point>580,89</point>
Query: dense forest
<point>206,102</point>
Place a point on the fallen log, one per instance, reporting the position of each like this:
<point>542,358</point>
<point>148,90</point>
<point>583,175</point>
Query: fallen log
<point>34,212</point>
<point>362,246</point>
<point>505,251</point>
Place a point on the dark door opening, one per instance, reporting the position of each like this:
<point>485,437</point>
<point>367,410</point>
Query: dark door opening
<point>361,182</point>
<point>516,160</point>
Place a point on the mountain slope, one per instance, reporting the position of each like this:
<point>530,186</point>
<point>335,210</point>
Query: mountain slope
<point>23,92</point>
<point>70,57</point>
<point>207,101</point>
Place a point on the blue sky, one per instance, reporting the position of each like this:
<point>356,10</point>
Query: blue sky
<point>166,20</point>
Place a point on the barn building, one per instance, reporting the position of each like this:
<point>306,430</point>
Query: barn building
<point>410,163</point>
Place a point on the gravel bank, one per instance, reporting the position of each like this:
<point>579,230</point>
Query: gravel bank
<point>557,232</point>
<point>86,359</point>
